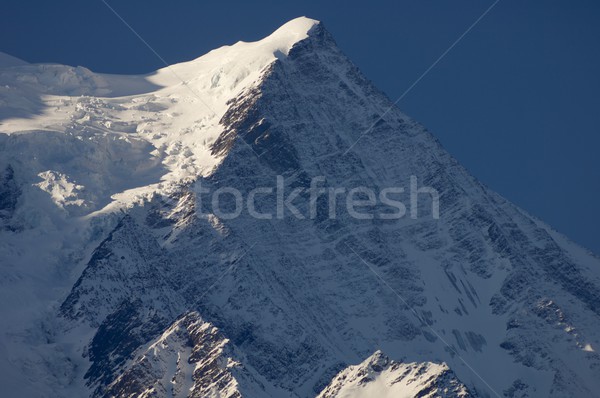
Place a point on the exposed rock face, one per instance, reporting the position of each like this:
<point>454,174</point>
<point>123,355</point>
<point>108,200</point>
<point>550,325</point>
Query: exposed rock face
<point>155,295</point>
<point>9,194</point>
<point>190,359</point>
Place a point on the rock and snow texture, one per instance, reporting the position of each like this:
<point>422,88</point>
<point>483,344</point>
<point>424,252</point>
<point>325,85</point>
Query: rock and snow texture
<point>190,359</point>
<point>378,376</point>
<point>110,280</point>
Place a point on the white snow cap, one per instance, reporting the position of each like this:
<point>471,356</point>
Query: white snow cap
<point>292,32</point>
<point>224,72</point>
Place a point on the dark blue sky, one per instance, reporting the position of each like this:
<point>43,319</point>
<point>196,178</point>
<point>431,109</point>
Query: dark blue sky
<point>516,101</point>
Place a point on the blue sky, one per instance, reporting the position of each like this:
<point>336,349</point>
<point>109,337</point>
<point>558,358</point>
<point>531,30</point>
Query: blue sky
<point>516,101</point>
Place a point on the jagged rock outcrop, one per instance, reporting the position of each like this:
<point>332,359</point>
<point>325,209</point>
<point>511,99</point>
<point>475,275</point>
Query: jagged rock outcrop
<point>9,195</point>
<point>191,358</point>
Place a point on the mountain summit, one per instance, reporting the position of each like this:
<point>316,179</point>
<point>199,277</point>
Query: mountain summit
<point>120,279</point>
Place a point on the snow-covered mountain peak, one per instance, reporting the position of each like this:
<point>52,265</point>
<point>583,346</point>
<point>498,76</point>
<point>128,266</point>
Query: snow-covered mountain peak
<point>379,376</point>
<point>223,73</point>
<point>88,161</point>
<point>167,120</point>
<point>292,32</point>
<point>252,56</point>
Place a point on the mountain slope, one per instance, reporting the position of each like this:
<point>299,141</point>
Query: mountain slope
<point>106,186</point>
